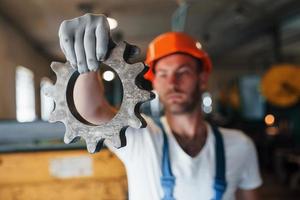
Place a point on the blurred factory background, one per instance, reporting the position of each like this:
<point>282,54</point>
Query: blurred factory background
<point>255,86</point>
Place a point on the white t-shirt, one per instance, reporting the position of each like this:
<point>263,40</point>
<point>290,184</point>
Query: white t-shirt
<point>194,176</point>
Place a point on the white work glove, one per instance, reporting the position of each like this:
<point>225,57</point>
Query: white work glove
<point>85,41</point>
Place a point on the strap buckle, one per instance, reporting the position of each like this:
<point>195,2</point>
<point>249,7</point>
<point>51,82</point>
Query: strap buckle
<point>220,185</point>
<point>167,181</point>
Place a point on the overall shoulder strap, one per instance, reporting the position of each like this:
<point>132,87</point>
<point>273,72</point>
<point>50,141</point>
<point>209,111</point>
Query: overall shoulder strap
<point>167,180</point>
<point>220,183</point>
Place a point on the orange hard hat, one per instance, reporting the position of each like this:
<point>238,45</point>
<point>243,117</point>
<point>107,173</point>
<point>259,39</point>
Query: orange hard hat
<point>174,42</point>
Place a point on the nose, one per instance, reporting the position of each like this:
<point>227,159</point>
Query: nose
<point>172,81</point>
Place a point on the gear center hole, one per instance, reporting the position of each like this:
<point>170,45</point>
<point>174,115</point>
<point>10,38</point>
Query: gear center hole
<point>91,112</point>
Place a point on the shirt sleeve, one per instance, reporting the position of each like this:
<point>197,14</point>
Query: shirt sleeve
<point>132,140</point>
<point>250,176</point>
<point>136,140</point>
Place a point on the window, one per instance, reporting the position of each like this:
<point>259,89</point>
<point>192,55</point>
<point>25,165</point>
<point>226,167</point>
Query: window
<point>25,95</point>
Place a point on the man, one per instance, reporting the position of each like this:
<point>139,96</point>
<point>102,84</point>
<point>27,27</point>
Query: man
<point>183,157</point>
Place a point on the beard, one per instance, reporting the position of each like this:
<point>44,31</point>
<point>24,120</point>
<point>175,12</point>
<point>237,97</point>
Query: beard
<point>178,102</point>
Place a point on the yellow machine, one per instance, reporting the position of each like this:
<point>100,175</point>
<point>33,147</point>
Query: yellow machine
<point>281,85</point>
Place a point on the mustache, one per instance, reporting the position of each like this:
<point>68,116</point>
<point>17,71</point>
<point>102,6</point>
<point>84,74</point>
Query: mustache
<point>174,91</point>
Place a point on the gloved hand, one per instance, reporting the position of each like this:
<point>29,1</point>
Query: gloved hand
<point>85,41</point>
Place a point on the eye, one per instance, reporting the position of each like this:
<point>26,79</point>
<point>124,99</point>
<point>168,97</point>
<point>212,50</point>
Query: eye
<point>184,71</point>
<point>161,74</point>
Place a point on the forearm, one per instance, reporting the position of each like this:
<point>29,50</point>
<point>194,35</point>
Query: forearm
<point>89,99</point>
<point>247,194</point>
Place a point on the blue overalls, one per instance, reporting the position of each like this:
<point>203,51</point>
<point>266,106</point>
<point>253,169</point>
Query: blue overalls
<point>168,180</point>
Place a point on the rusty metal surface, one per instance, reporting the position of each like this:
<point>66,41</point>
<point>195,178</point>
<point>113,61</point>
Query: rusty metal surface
<point>112,132</point>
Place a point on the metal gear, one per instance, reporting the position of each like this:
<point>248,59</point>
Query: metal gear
<point>114,130</point>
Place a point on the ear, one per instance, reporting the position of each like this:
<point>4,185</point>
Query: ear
<point>203,80</point>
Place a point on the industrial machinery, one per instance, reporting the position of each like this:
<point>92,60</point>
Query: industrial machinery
<point>281,85</point>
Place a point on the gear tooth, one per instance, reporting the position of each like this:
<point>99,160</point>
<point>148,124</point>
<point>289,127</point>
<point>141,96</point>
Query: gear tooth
<point>49,91</point>
<point>117,52</point>
<point>57,115</point>
<point>60,68</point>
<point>91,146</point>
<point>52,119</point>
<point>69,137</point>
<point>122,47</point>
<point>134,122</point>
<point>115,141</point>
<point>139,67</point>
<point>144,95</point>
<point>56,66</point>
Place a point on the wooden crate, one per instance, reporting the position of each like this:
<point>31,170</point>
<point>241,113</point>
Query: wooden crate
<point>65,175</point>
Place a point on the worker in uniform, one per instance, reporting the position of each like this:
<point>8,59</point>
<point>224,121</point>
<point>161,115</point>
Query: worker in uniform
<point>181,156</point>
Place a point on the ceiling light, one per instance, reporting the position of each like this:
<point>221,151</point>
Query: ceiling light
<point>269,119</point>
<point>112,23</point>
<point>207,101</point>
<point>207,109</point>
<point>198,45</point>
<point>108,75</point>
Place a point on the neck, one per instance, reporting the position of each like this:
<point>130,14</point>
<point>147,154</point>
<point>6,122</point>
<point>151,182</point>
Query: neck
<point>186,125</point>
<point>189,130</point>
